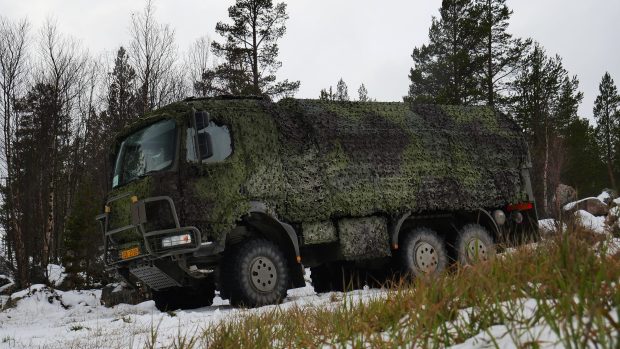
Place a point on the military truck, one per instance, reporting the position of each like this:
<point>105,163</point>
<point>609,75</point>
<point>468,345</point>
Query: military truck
<point>240,194</point>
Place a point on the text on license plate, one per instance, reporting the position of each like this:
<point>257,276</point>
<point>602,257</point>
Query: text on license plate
<point>129,253</point>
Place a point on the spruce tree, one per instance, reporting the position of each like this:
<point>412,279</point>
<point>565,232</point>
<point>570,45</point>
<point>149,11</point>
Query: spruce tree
<point>607,115</point>
<point>251,50</point>
<point>121,96</point>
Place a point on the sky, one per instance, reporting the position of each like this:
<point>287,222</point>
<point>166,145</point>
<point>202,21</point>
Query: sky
<point>361,41</point>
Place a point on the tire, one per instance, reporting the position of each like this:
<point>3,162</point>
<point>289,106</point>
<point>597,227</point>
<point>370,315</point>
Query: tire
<point>256,275</point>
<point>474,244</point>
<point>423,253</point>
<point>190,297</point>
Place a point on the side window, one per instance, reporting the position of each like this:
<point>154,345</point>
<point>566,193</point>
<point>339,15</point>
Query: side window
<point>214,145</point>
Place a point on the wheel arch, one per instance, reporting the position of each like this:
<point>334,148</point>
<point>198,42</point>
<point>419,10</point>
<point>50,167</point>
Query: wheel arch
<point>482,217</point>
<point>264,223</point>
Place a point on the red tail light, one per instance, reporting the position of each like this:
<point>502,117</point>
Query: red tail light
<point>523,206</point>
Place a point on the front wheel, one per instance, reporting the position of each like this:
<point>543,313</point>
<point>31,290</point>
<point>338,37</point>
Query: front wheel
<point>423,253</point>
<point>257,275</point>
<point>474,245</point>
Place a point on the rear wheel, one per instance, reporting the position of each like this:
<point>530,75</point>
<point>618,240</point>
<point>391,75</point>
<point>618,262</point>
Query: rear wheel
<point>474,244</point>
<point>423,253</point>
<point>257,274</point>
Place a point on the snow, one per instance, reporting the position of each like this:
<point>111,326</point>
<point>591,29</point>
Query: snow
<point>548,225</point>
<point>589,221</point>
<point>602,197</point>
<point>44,317</point>
<point>5,286</point>
<point>56,274</point>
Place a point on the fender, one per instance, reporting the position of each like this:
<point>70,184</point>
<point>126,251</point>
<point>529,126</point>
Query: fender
<point>490,218</point>
<point>396,229</point>
<point>259,207</point>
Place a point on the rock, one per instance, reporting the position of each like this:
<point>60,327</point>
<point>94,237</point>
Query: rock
<point>565,194</point>
<point>592,205</point>
<point>117,293</point>
<point>595,207</point>
<point>613,220</point>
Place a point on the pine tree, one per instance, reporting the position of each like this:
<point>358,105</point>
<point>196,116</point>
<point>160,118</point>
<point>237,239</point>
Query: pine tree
<point>362,94</point>
<point>445,70</point>
<point>607,115</point>
<point>501,53</point>
<point>342,92</point>
<point>583,171</point>
<point>251,50</point>
<point>545,102</point>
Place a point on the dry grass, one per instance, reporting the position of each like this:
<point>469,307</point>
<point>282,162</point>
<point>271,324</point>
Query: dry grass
<point>574,288</point>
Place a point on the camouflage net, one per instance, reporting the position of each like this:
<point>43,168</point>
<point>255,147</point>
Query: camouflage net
<point>313,161</point>
<point>364,238</point>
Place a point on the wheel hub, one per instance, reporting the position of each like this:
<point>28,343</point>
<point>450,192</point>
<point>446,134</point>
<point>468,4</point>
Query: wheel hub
<point>263,274</point>
<point>477,250</point>
<point>425,257</point>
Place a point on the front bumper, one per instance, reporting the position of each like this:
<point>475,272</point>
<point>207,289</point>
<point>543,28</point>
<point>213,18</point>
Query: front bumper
<point>149,235</point>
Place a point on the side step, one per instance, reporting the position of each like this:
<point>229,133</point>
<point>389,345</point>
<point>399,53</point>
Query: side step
<point>153,277</point>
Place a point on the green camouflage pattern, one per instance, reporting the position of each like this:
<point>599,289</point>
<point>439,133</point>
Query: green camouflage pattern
<point>315,161</point>
<point>319,232</point>
<point>364,238</point>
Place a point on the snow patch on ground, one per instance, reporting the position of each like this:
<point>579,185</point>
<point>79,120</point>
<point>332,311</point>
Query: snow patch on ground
<point>589,221</point>
<point>44,317</point>
<point>56,274</point>
<point>547,226</point>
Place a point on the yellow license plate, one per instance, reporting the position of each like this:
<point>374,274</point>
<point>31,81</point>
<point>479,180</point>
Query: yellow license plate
<point>130,253</point>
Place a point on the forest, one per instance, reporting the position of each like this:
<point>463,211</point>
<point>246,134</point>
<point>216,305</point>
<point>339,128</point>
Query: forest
<point>61,107</point>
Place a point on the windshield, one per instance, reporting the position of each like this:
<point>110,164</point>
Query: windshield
<point>147,150</point>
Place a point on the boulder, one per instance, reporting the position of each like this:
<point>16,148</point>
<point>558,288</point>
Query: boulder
<point>592,205</point>
<point>613,220</point>
<point>117,293</point>
<point>596,207</point>
<point>564,194</point>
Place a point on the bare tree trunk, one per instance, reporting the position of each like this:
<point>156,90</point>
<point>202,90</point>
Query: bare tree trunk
<point>546,172</point>
<point>49,229</point>
<point>13,37</point>
<point>610,171</point>
<point>490,92</point>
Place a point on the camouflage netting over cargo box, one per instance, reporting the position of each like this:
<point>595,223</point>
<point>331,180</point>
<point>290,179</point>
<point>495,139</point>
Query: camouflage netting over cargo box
<point>354,159</point>
<point>311,161</point>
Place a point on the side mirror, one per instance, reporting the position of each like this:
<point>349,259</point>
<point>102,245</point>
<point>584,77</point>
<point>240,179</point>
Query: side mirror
<point>205,145</point>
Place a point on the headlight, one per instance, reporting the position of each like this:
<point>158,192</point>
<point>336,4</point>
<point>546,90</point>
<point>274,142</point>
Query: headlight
<point>176,240</point>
